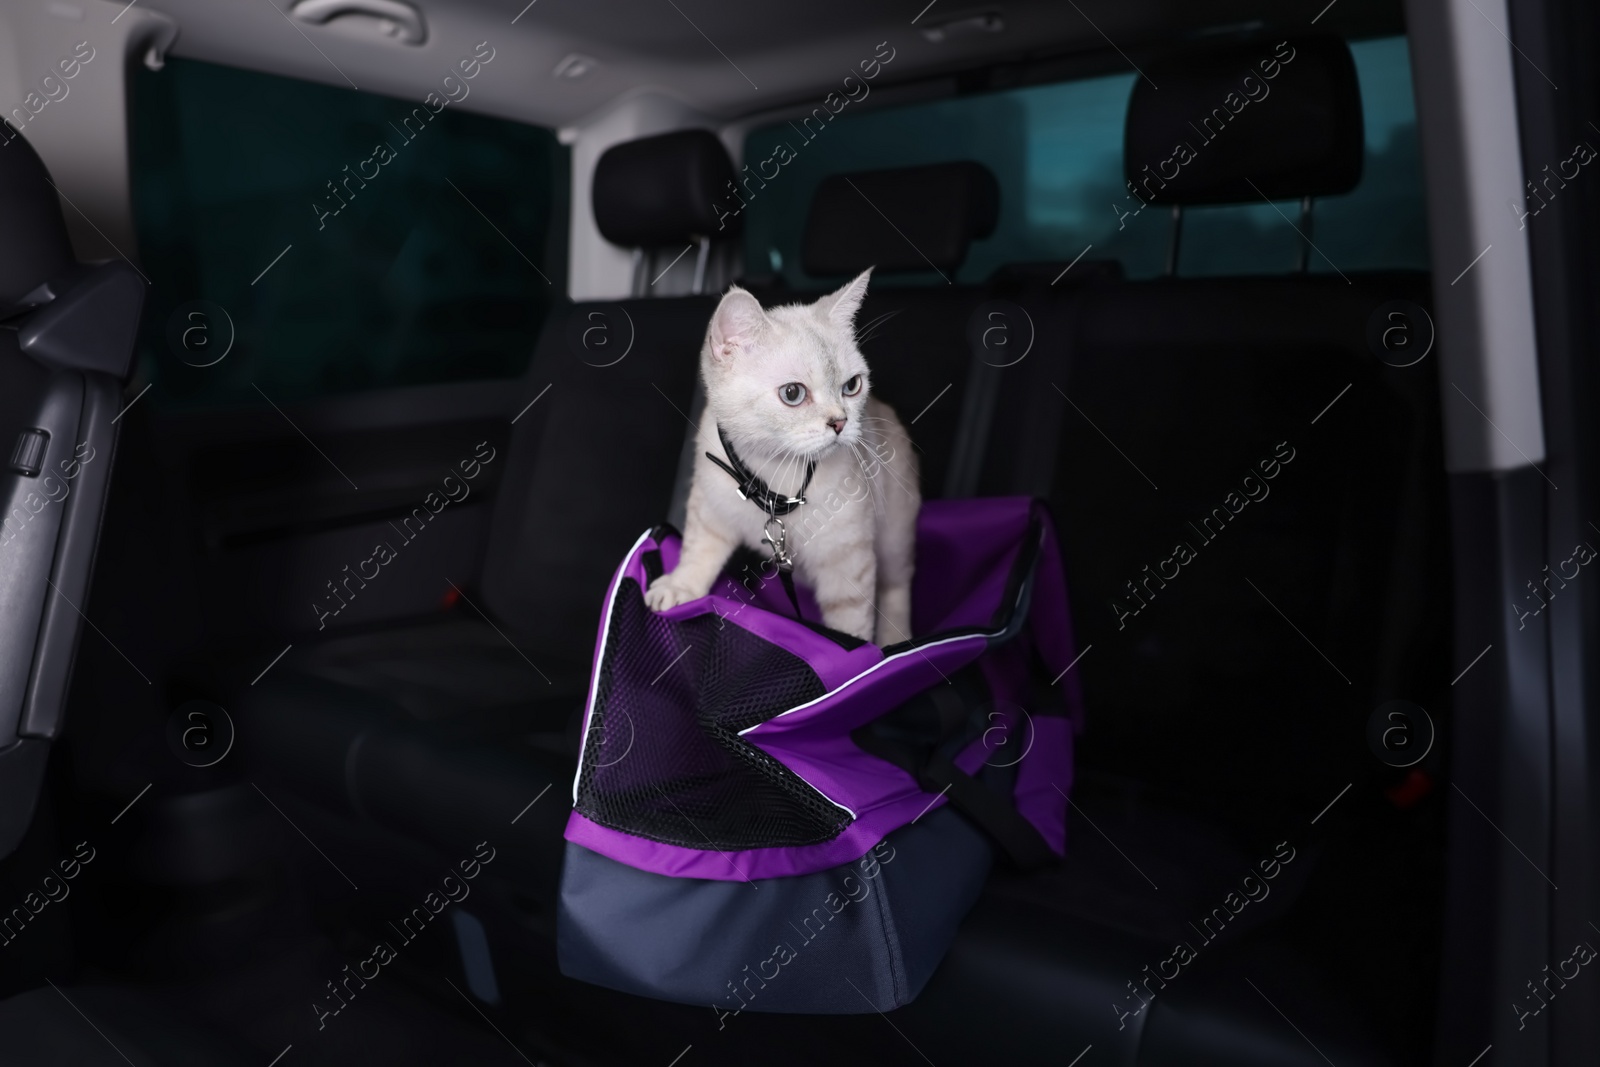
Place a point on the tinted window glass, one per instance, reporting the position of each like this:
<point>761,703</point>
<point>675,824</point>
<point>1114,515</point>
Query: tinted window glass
<point>1057,152</point>
<point>1380,224</point>
<point>351,241</point>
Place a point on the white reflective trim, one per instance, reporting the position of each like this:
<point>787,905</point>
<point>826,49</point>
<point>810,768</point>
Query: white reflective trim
<point>594,679</point>
<point>882,662</point>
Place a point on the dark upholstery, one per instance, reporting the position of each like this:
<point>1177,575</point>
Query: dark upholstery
<point>1239,123</point>
<point>1215,729</point>
<point>350,752</point>
<point>663,190</point>
<point>475,709</point>
<point>599,451</point>
<point>1215,725</point>
<point>907,219</point>
<point>1047,967</point>
<point>1201,382</point>
<point>103,1026</point>
<point>36,248</point>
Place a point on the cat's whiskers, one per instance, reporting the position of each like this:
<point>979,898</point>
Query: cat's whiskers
<point>775,469</point>
<point>790,469</point>
<point>883,463</point>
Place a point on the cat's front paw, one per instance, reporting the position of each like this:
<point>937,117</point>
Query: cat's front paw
<point>664,593</point>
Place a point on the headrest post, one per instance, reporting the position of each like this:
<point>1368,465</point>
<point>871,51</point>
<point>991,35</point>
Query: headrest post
<point>1177,239</point>
<point>1305,234</point>
<point>700,260</point>
<point>636,284</point>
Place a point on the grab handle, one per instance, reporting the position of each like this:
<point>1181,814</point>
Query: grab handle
<point>398,20</point>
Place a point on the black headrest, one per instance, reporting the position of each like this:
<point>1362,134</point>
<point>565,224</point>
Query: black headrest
<point>664,190</point>
<point>906,219</point>
<point>35,247</point>
<point>1238,123</point>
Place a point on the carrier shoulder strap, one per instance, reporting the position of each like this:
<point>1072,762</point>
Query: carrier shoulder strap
<point>996,815</point>
<point>946,713</point>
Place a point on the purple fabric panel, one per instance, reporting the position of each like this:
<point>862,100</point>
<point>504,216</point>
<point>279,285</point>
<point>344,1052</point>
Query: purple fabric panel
<point>749,864</point>
<point>1044,777</point>
<point>770,621</point>
<point>815,743</point>
<point>883,686</point>
<point>1043,785</point>
<point>1050,619</point>
<point>1008,734</point>
<point>671,549</point>
<point>965,549</point>
<point>834,664</point>
<point>1038,744</point>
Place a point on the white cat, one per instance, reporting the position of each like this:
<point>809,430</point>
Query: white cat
<point>788,388</point>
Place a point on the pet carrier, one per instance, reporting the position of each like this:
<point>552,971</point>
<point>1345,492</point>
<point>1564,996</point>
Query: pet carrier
<point>774,815</point>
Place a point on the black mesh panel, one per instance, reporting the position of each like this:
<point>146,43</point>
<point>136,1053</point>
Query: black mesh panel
<point>663,759</point>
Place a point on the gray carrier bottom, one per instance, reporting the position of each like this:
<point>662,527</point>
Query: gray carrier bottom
<point>861,937</point>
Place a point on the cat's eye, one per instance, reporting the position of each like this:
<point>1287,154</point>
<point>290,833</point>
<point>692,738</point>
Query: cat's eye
<point>792,394</point>
<point>852,387</point>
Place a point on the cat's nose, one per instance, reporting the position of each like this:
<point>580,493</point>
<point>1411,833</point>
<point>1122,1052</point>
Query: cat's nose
<point>837,424</point>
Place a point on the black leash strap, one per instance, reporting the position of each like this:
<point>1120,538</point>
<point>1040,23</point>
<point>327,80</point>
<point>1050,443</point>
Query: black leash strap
<point>758,492</point>
<point>781,558</point>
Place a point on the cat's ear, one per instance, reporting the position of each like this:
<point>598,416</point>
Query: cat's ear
<point>736,324</point>
<point>841,307</point>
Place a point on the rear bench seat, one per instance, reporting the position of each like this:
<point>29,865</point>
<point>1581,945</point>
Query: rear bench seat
<point>435,731</point>
<point>439,733</point>
<point>1214,731</point>
<point>1216,728</point>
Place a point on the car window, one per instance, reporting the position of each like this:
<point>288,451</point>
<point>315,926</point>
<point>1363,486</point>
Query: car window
<point>1380,224</point>
<point>1057,153</point>
<point>340,240</point>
